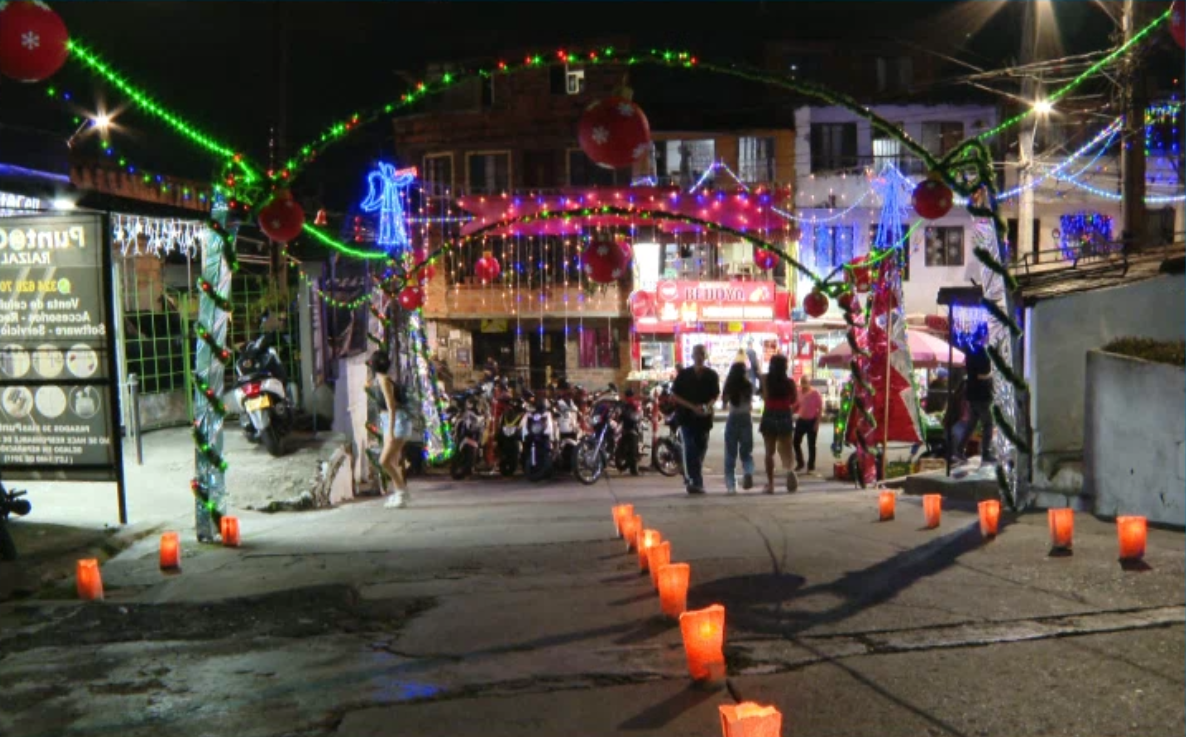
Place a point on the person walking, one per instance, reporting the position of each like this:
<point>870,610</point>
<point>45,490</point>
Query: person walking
<point>394,423</point>
<point>978,392</point>
<point>695,390</point>
<point>754,367</point>
<point>807,410</point>
<point>778,395</point>
<point>738,394</point>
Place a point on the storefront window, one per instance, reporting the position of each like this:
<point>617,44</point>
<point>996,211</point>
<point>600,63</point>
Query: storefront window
<point>598,348</point>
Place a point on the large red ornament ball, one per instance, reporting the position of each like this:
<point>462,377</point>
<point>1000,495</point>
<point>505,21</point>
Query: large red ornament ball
<point>642,304</point>
<point>1178,23</point>
<point>282,218</point>
<point>487,268</point>
<point>815,304</point>
<point>411,298</point>
<point>859,275</point>
<point>33,41</point>
<point>932,199</point>
<point>765,260</point>
<point>604,262</point>
<point>614,133</point>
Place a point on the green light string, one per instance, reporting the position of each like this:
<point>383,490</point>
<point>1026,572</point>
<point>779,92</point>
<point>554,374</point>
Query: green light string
<point>1090,71</point>
<point>321,293</point>
<point>342,248</point>
<point>208,450</point>
<point>220,301</point>
<point>216,403</point>
<point>203,496</point>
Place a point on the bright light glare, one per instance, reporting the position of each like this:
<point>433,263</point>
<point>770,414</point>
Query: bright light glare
<point>1043,107</point>
<point>60,203</point>
<point>102,120</point>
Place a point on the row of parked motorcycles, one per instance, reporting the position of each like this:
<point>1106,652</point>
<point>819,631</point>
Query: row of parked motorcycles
<point>562,431</point>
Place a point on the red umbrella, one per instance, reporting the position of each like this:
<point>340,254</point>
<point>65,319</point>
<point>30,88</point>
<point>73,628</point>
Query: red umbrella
<point>926,351</point>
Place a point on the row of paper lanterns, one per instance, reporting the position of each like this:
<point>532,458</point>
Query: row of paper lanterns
<point>1131,530</point>
<point>89,579</point>
<point>703,630</point>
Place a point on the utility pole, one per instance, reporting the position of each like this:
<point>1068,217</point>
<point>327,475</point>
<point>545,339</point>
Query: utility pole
<point>1132,154</point>
<point>1030,88</point>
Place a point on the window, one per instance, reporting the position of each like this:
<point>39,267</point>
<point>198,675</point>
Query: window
<point>576,81</point>
<point>886,149</point>
<point>438,174</point>
<point>691,261</point>
<point>566,80</point>
<point>903,252</point>
<point>1014,254</point>
<point>539,169</point>
<point>756,159</point>
<point>598,348</point>
<point>684,162</point>
<point>894,74</point>
<point>489,172</point>
<point>833,146</point>
<point>582,172</point>
<point>945,246</point>
<point>940,137</point>
<point>831,245</point>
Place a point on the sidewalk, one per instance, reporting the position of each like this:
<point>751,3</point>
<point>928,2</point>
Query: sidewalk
<point>496,607</point>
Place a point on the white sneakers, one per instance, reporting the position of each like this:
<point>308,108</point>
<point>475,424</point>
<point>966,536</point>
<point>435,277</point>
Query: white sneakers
<point>397,500</point>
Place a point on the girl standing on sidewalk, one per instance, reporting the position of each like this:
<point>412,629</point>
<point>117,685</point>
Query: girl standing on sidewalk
<point>739,428</point>
<point>394,423</point>
<point>778,395</point>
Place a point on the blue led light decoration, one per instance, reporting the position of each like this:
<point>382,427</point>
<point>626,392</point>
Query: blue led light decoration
<point>969,326</point>
<point>1085,234</point>
<point>386,185</point>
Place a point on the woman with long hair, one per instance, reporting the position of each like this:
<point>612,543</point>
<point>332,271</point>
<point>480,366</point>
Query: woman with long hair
<point>779,396</point>
<point>393,423</point>
<point>739,427</point>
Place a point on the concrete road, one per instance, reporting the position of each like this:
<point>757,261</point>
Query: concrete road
<point>496,607</point>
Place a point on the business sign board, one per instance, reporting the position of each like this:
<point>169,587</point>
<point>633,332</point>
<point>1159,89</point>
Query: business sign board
<point>58,384</point>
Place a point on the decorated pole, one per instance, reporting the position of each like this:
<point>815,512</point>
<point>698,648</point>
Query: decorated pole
<point>212,358</point>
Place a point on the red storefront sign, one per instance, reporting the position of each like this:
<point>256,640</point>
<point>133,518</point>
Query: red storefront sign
<point>736,306</point>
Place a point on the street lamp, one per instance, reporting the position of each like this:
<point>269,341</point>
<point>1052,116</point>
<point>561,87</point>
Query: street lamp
<point>1043,107</point>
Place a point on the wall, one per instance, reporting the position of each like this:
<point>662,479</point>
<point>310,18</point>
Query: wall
<point>1133,455</point>
<point>1060,332</point>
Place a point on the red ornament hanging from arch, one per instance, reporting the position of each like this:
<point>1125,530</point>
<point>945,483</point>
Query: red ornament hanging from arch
<point>1178,23</point>
<point>487,268</point>
<point>604,261</point>
<point>282,219</point>
<point>765,260</point>
<point>614,133</point>
<point>33,41</point>
<point>932,199</point>
<point>411,298</point>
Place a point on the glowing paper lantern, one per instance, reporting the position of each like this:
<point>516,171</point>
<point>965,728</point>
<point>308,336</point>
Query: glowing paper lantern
<point>621,512</point>
<point>990,517</point>
<point>647,539</point>
<point>703,631</point>
<point>673,588</point>
<point>1132,532</point>
<point>89,580</point>
<point>170,551</point>
<point>748,719</point>
<point>657,557</point>
<point>229,528</point>
<point>630,526</point>
<point>1062,527</point>
<point>885,503</point>
<point>932,509</point>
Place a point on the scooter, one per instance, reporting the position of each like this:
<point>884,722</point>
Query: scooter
<point>260,388</point>
<point>508,440</point>
<point>568,427</point>
<point>10,503</point>
<point>538,429</point>
<point>469,427</point>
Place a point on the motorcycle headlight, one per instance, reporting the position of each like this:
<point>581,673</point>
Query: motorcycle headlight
<point>248,363</point>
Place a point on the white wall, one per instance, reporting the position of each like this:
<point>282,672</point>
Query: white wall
<point>1060,332</point>
<point>1133,459</point>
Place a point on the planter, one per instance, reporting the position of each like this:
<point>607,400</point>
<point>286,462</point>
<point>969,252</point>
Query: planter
<point>1134,434</point>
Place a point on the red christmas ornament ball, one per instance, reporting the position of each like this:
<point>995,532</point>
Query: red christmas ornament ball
<point>614,133</point>
<point>487,268</point>
<point>604,262</point>
<point>815,304</point>
<point>1178,23</point>
<point>32,41</point>
<point>765,260</point>
<point>642,304</point>
<point>932,199</point>
<point>859,275</point>
<point>282,218</point>
<point>411,298</point>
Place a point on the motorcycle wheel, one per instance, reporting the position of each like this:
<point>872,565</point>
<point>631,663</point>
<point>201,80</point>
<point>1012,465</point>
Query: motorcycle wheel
<point>666,457</point>
<point>566,458</point>
<point>508,458</point>
<point>463,463</point>
<point>273,441</point>
<point>589,463</point>
<point>542,468</point>
<point>7,546</point>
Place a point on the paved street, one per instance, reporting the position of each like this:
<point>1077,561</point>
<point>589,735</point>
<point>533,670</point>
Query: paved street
<point>496,607</point>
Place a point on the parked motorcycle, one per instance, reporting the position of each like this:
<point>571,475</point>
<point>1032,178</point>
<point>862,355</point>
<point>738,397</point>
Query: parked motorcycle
<point>508,441</point>
<point>604,444</point>
<point>538,431</point>
<point>667,452</point>
<point>568,430</point>
<point>260,387</point>
<point>10,503</point>
<point>469,427</point>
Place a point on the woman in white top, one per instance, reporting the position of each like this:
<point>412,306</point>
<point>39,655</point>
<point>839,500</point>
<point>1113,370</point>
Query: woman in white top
<point>738,396</point>
<point>391,421</point>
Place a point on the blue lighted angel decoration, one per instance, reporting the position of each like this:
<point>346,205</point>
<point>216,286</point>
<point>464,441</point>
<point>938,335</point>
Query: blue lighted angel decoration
<point>384,195</point>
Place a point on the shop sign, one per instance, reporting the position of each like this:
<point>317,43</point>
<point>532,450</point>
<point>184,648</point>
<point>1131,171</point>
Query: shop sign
<point>715,301</point>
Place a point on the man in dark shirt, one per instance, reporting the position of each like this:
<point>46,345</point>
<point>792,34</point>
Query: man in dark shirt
<point>978,392</point>
<point>695,390</point>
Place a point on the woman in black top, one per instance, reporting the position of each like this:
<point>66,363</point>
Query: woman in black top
<point>779,394</point>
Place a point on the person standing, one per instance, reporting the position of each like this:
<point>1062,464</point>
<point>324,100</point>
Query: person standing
<point>778,395</point>
<point>394,423</point>
<point>807,410</point>
<point>695,390</point>
<point>739,427</point>
<point>755,369</point>
<point>978,392</point>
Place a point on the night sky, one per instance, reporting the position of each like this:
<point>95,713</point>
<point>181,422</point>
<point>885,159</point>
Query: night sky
<point>216,63</point>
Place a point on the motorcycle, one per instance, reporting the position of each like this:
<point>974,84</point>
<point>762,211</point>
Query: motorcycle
<point>507,441</point>
<point>260,389</point>
<point>469,426</point>
<point>568,428</point>
<point>667,453</point>
<point>538,430</point>
<point>610,438</point>
<point>10,503</point>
